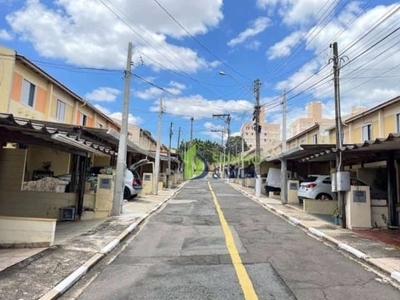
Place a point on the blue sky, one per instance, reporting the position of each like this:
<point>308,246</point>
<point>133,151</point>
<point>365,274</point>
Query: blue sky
<point>181,46</point>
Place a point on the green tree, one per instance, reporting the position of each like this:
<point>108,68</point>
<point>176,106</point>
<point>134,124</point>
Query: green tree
<point>234,145</point>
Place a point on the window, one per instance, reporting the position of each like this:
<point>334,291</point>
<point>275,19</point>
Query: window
<point>366,132</point>
<point>28,93</point>
<point>398,123</point>
<point>60,112</point>
<point>315,139</point>
<point>83,119</point>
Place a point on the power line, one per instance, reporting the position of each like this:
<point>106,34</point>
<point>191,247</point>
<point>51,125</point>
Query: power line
<point>196,40</point>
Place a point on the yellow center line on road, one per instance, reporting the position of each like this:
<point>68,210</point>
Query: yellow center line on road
<point>244,279</point>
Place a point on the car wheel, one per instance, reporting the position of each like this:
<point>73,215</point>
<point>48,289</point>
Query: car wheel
<point>324,196</point>
<point>127,194</point>
<point>133,196</point>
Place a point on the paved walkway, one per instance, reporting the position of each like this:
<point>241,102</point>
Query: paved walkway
<point>47,273</point>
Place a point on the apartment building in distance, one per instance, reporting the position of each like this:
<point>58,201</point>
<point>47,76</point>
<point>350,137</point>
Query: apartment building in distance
<point>314,115</point>
<point>270,134</point>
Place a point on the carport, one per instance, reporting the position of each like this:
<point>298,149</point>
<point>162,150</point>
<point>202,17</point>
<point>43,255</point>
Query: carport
<point>71,143</point>
<point>314,158</point>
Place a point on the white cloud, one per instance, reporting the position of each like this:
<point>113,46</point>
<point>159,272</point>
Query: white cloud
<point>5,35</point>
<point>118,115</point>
<point>85,27</point>
<point>200,108</point>
<point>298,11</point>
<point>103,94</point>
<point>253,45</point>
<point>177,85</point>
<point>256,27</point>
<point>284,47</point>
<point>150,93</point>
<point>174,88</point>
<point>365,79</point>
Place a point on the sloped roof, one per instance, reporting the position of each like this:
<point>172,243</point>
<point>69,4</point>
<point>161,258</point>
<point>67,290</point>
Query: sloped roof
<point>372,150</point>
<point>94,140</point>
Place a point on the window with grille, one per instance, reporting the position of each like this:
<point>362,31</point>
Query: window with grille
<point>28,93</point>
<point>83,119</point>
<point>398,123</point>
<point>60,111</point>
<point>315,139</point>
<point>366,132</point>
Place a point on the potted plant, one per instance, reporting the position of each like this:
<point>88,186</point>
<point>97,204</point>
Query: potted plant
<point>335,216</point>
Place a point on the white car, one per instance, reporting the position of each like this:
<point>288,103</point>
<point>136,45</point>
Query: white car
<point>319,187</point>
<point>316,187</point>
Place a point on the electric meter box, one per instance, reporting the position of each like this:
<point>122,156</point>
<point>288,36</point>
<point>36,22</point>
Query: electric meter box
<point>340,182</point>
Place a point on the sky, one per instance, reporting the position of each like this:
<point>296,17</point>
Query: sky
<point>201,58</point>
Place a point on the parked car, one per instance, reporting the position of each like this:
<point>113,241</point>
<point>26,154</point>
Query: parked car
<point>132,180</point>
<point>319,187</point>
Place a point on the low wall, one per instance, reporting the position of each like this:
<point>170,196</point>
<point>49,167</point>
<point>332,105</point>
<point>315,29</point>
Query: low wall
<point>376,216</point>
<point>18,232</point>
<point>35,204</point>
<point>323,207</point>
<point>249,182</point>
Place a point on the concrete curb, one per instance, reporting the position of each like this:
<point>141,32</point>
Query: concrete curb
<point>359,254</point>
<point>69,281</point>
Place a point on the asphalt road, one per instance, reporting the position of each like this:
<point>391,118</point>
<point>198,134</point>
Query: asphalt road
<point>187,250</point>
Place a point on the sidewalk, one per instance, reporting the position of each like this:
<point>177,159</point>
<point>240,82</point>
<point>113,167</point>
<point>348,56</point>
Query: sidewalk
<point>381,255</point>
<point>47,273</point>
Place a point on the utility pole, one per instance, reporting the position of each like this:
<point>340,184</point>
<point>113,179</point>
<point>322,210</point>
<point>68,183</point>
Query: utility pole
<point>242,160</point>
<point>222,160</point>
<point>284,161</point>
<point>157,163</point>
<point>339,130</point>
<point>179,152</point>
<point>227,119</point>
<point>169,158</point>
<point>191,130</point>
<point>123,136</point>
<point>257,128</point>
<point>179,137</point>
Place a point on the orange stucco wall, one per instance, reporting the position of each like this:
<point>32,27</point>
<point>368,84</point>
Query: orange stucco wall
<point>16,87</point>
<point>41,100</point>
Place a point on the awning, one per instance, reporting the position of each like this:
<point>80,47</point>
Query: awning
<point>71,138</point>
<point>301,152</point>
<point>164,157</point>
<point>131,146</point>
<point>369,151</point>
